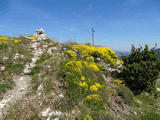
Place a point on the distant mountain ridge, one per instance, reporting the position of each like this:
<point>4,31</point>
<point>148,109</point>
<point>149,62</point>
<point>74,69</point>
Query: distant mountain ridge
<point>119,53</point>
<point>158,52</point>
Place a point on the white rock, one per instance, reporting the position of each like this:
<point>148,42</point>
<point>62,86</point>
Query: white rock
<point>45,46</point>
<point>45,112</point>
<point>73,112</point>
<point>28,38</point>
<point>16,56</point>
<point>97,59</point>
<point>49,51</point>
<point>138,101</point>
<point>34,59</point>
<point>56,119</point>
<point>158,89</point>
<point>5,58</point>
<point>26,71</point>
<point>61,95</point>
<point>22,56</point>
<point>55,113</point>
<point>40,87</point>
<point>2,68</point>
<point>135,113</point>
<point>48,118</point>
<point>147,94</point>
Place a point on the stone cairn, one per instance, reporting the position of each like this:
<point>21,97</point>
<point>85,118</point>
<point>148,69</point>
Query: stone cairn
<point>40,35</point>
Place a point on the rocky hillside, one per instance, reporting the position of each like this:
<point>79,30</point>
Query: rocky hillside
<point>45,80</point>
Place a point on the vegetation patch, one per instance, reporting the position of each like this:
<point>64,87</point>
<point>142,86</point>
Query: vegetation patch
<point>141,69</point>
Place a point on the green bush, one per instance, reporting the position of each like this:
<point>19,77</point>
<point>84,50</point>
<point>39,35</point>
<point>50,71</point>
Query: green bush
<point>141,69</point>
<point>126,94</point>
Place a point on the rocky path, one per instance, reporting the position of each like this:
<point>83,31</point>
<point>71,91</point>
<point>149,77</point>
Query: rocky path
<point>21,82</point>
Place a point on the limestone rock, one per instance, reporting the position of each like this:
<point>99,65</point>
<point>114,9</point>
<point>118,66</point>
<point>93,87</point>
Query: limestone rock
<point>5,58</point>
<point>2,68</point>
<point>97,59</point>
<point>158,89</point>
<point>28,38</point>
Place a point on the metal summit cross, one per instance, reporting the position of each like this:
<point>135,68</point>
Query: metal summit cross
<point>93,35</point>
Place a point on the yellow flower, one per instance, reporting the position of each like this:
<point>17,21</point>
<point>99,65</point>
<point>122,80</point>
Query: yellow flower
<point>88,117</point>
<point>84,84</point>
<point>90,59</point>
<point>71,53</point>
<point>93,99</point>
<point>3,38</point>
<point>32,37</point>
<point>106,112</point>
<point>119,82</point>
<point>95,87</point>
<point>82,77</point>
<point>93,66</point>
<point>17,41</point>
<point>119,61</point>
<point>76,66</point>
<point>104,106</point>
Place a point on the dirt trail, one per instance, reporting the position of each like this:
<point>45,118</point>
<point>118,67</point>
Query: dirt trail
<point>22,82</point>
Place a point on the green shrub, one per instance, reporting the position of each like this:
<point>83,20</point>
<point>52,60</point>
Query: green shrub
<point>141,69</point>
<point>126,94</point>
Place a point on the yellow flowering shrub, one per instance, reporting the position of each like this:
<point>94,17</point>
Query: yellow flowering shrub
<point>93,66</point>
<point>78,65</point>
<point>88,117</point>
<point>93,99</point>
<point>81,83</point>
<point>102,52</point>
<point>75,66</point>
<point>95,87</point>
<point>17,41</point>
<point>3,38</point>
<point>90,59</point>
<point>71,53</point>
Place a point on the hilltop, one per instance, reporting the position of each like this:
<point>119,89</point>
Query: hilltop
<point>41,79</point>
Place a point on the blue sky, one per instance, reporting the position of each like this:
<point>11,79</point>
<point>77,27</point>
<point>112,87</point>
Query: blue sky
<point>118,23</point>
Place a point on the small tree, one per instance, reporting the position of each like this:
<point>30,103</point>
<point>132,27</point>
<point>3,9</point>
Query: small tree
<point>141,69</point>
